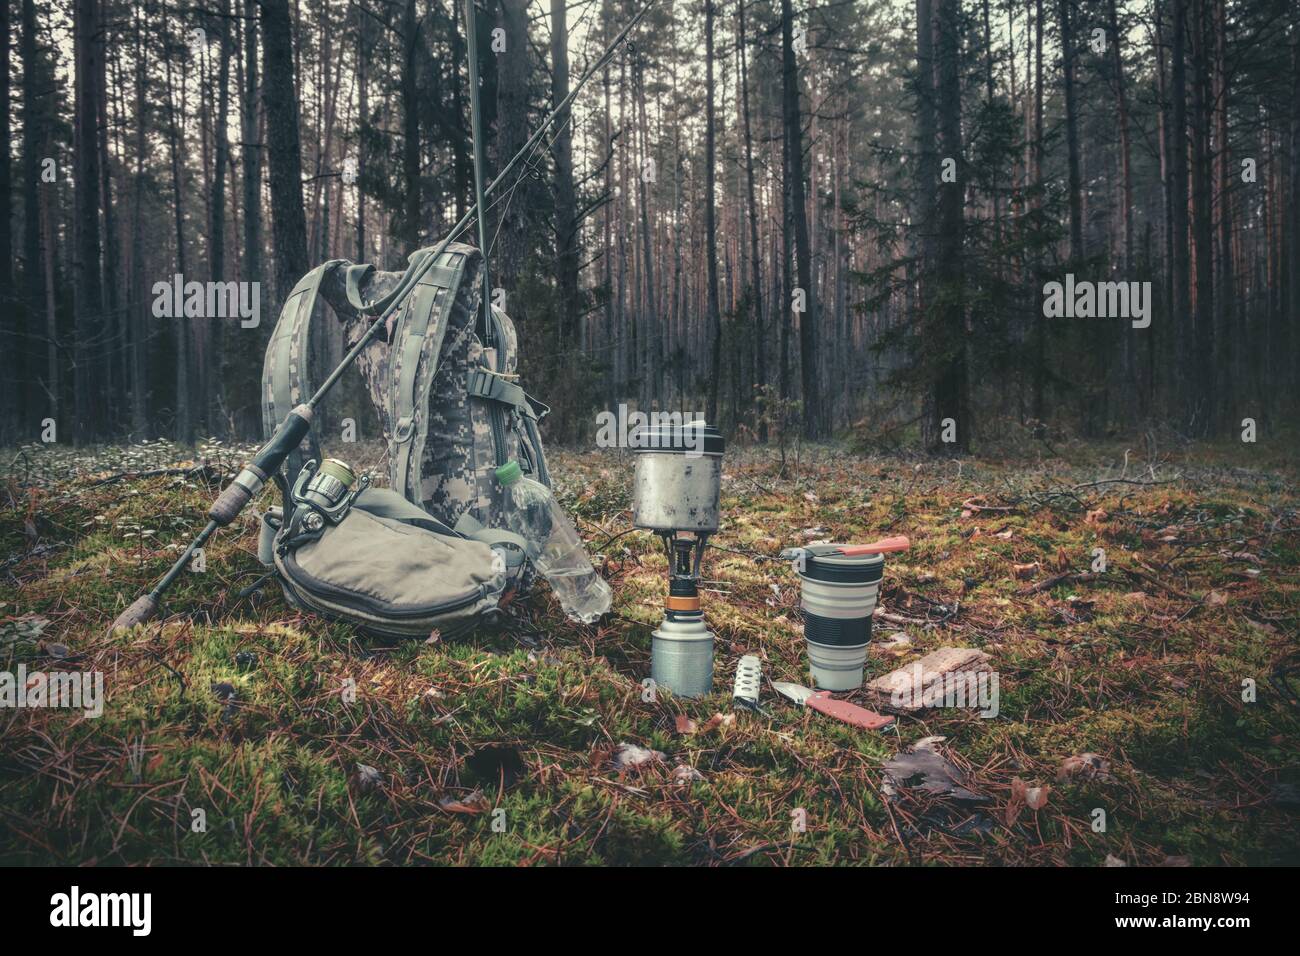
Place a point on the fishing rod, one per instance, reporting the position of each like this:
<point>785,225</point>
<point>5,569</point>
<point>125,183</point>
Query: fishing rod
<point>290,433</point>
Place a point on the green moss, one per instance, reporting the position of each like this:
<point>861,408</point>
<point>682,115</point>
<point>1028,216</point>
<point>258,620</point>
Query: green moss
<point>1151,683</point>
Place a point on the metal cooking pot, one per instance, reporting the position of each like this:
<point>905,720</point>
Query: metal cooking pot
<point>678,478</point>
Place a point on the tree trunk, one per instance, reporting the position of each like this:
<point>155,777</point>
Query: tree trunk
<point>1286,364</point>
<point>512,133</point>
<point>710,223</point>
<point>925,203</point>
<point>214,395</point>
<point>756,276</point>
<point>88,366</point>
<point>53,357</point>
<point>461,161</point>
<point>1180,253</point>
<point>11,320</point>
<point>184,426</point>
<point>566,223</point>
<point>1201,404</point>
<point>1071,135</point>
<point>25,354</point>
<point>793,126</point>
<point>409,234</point>
<point>251,151</point>
<point>1125,163</point>
<point>284,150</point>
<point>1040,321</point>
<point>363,121</point>
<point>650,327</point>
<point>1225,295</point>
<point>138,318</point>
<point>245,366</point>
<point>951,387</point>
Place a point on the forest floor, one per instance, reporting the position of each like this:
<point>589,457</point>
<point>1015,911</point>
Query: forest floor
<point>1167,673</point>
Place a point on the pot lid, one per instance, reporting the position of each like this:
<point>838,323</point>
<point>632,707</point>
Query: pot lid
<point>696,437</point>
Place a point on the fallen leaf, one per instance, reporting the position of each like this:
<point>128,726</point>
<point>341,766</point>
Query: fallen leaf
<point>472,804</point>
<point>719,720</point>
<point>931,773</point>
<point>630,756</point>
<point>1089,766</point>
<point>1023,795</point>
<point>684,724</point>
<point>1096,516</point>
<point>1242,556</point>
<point>1024,572</point>
<point>684,775</point>
<point>896,645</point>
<point>1215,598</point>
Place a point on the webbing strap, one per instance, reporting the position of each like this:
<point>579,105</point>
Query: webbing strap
<point>482,383</point>
<point>286,370</point>
<point>386,503</point>
<point>470,527</point>
<point>425,315</point>
<point>356,277</point>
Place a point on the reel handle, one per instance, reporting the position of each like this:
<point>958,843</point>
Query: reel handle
<point>265,463</point>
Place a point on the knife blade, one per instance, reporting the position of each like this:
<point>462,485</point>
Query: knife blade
<point>821,700</point>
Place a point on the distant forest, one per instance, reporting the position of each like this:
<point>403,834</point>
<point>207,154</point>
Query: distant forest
<point>796,218</point>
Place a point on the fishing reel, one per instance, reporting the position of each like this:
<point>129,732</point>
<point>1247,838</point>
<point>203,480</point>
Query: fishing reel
<point>322,494</point>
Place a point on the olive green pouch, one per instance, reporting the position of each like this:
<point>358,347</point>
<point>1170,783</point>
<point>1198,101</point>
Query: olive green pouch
<point>389,568</point>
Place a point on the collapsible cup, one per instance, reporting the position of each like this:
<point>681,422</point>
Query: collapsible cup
<point>839,587</point>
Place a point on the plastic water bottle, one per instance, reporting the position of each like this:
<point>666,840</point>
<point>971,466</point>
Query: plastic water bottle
<point>532,512</point>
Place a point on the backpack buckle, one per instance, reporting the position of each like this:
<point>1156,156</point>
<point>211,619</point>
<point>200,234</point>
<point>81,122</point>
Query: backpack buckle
<point>403,430</point>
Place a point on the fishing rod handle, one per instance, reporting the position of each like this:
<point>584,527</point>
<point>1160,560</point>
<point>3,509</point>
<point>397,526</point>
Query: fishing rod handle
<point>265,463</point>
<point>142,609</point>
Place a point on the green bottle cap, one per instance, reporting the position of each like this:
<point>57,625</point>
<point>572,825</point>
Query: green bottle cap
<point>509,473</point>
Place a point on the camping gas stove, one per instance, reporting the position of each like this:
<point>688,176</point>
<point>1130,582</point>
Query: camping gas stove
<point>675,493</point>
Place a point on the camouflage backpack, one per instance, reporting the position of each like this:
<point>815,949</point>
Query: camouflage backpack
<point>451,411</point>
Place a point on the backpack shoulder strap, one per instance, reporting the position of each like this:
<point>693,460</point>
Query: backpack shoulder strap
<point>416,347</point>
<point>286,372</point>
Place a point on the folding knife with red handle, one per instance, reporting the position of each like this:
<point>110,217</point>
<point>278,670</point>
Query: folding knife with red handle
<point>821,700</point>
